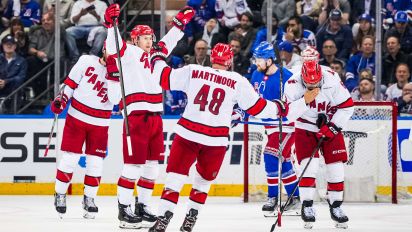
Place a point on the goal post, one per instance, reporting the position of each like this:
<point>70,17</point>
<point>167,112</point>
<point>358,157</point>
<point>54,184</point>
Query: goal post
<point>371,173</point>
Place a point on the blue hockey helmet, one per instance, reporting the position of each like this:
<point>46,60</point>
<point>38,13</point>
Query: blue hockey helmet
<point>264,51</point>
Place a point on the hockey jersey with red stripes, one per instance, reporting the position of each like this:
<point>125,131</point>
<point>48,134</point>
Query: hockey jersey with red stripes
<point>334,100</point>
<point>86,85</point>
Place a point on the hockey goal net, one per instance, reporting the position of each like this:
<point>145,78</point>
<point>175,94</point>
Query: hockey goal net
<point>372,173</point>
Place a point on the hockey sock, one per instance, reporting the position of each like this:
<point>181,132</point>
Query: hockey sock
<point>170,194</point>
<point>146,182</point>
<point>125,185</point>
<point>289,178</point>
<point>199,192</point>
<point>271,168</point>
<point>65,170</point>
<point>335,177</point>
<point>307,185</point>
<point>94,169</point>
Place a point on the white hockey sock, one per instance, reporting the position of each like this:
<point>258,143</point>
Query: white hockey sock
<point>67,164</point>
<point>94,169</point>
<point>199,192</point>
<point>307,185</point>
<point>170,194</point>
<point>125,185</point>
<point>335,176</point>
<point>146,182</point>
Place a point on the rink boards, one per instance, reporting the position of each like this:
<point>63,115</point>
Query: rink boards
<point>25,170</point>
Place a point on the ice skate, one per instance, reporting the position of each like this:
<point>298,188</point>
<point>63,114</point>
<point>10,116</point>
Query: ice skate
<point>292,208</point>
<point>60,204</point>
<point>89,207</point>
<point>308,214</point>
<point>148,218</point>
<point>128,220</point>
<point>337,215</point>
<point>162,222</point>
<point>189,221</point>
<point>270,206</point>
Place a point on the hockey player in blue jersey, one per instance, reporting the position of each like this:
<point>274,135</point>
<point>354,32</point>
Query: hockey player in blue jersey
<point>266,82</point>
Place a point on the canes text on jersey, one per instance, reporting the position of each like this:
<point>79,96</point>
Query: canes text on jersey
<point>98,85</point>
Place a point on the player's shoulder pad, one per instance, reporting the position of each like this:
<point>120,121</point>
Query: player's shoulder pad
<point>330,77</point>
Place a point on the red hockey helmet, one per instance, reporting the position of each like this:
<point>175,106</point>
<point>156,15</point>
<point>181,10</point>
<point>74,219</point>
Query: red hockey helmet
<point>140,30</point>
<point>311,70</point>
<point>222,54</point>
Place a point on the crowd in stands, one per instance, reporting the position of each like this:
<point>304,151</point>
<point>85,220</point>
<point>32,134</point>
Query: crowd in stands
<point>343,31</point>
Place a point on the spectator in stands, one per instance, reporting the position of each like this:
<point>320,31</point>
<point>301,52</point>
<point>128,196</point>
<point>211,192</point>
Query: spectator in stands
<point>329,5</point>
<point>205,10</point>
<point>16,29</point>
<point>277,33</point>
<point>339,32</point>
<point>360,7</point>
<point>283,9</point>
<point>201,57</point>
<point>290,59</point>
<point>246,32</point>
<point>392,58</point>
<point>240,62</point>
<point>359,30</point>
<point>339,67</point>
<point>228,12</point>
<point>298,36</point>
<point>366,90</point>
<point>30,12</point>
<point>362,60</point>
<point>329,53</point>
<point>65,10</point>
<point>13,67</point>
<point>87,17</point>
<point>402,30</point>
<point>403,76</point>
<point>308,11</point>
<point>405,101</point>
<point>41,49</point>
<point>210,34</point>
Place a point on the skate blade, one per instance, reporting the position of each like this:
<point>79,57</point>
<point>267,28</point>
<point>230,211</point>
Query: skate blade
<point>291,213</point>
<point>60,215</point>
<point>88,215</point>
<point>270,213</point>
<point>341,225</point>
<point>147,224</point>
<point>126,225</point>
<point>308,225</point>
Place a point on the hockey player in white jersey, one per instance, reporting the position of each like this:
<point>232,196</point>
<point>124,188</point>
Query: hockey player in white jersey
<point>144,102</point>
<point>202,131</point>
<point>325,116</point>
<point>87,122</point>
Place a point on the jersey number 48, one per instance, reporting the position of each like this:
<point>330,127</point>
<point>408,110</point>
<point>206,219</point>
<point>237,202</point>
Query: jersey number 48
<point>218,96</point>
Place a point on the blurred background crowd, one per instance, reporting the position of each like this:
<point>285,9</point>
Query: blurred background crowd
<point>343,31</point>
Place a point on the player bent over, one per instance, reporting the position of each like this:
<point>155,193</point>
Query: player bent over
<point>323,117</point>
<point>87,122</point>
<point>202,131</point>
<point>144,102</point>
<point>266,81</point>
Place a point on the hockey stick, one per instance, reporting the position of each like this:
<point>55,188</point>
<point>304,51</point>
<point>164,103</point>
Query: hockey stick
<point>297,184</point>
<point>56,116</point>
<point>119,62</point>
<point>280,158</point>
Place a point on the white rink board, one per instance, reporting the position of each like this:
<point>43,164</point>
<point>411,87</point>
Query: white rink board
<point>23,134</point>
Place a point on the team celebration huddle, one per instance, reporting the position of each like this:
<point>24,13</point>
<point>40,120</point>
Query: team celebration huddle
<point>135,76</point>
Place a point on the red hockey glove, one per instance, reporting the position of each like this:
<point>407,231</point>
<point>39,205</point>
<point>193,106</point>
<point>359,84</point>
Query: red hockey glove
<point>328,131</point>
<point>158,52</point>
<point>183,17</point>
<point>113,73</point>
<point>111,14</point>
<point>58,105</point>
<point>283,108</point>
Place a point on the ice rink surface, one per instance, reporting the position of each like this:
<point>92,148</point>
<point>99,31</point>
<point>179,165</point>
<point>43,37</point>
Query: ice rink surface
<point>37,214</point>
